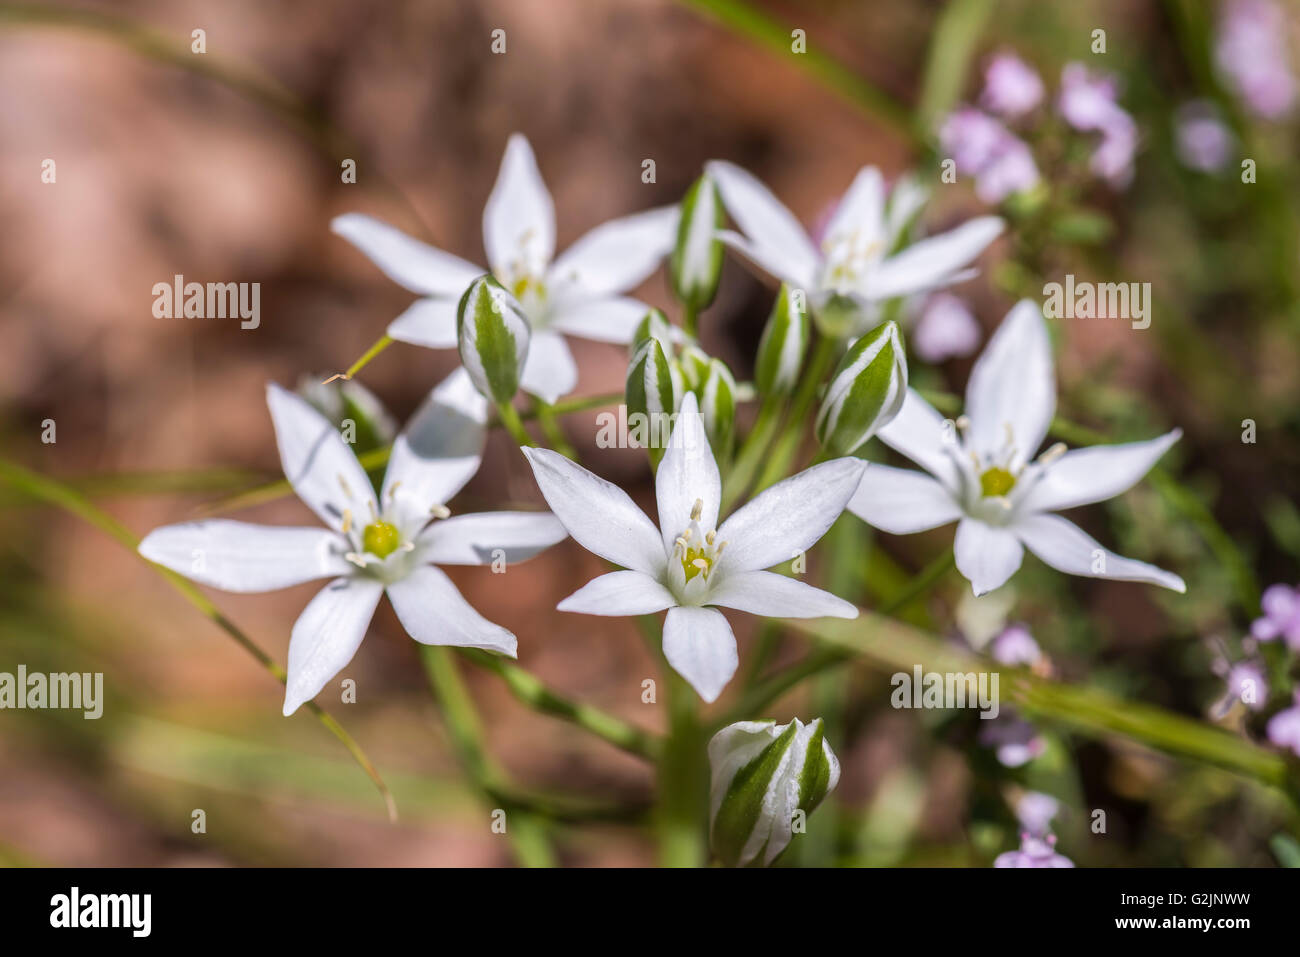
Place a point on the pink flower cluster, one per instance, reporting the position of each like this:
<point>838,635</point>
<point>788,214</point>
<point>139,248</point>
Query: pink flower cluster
<point>982,144</point>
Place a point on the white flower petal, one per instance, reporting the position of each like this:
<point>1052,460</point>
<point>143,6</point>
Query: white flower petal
<point>317,462</point>
<point>427,322</point>
<point>986,555</point>
<point>520,215</point>
<point>1068,548</point>
<point>439,450</point>
<point>598,514</point>
<point>1013,385</point>
<point>620,254</point>
<point>609,319</point>
<point>434,612</point>
<point>549,370</point>
<point>925,437</point>
<point>902,501</point>
<point>765,220</point>
<point>700,646</point>
<point>243,557</point>
<point>619,593</point>
<point>789,517</point>
<point>327,635</point>
<point>477,538</point>
<point>410,263</point>
<point>932,262</point>
<point>772,261</point>
<point>776,596</point>
<point>687,474</point>
<point>1084,476</point>
<point>905,200</point>
<point>861,211</point>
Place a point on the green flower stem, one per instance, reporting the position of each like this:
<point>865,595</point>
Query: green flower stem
<point>545,413</point>
<point>775,36</point>
<point>765,646</point>
<point>380,344</point>
<point>54,493</point>
<point>683,780</point>
<point>532,692</point>
<point>525,831</point>
<point>154,483</point>
<point>514,425</point>
<point>890,646</point>
<point>690,320</point>
<point>778,463</point>
<point>759,698</point>
<point>752,450</point>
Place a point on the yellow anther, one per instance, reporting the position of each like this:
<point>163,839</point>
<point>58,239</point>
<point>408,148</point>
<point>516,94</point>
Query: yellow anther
<point>697,510</point>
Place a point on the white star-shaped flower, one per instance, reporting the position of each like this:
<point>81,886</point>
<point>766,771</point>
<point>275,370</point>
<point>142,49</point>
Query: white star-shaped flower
<point>856,258</point>
<point>370,546</point>
<point>690,564</point>
<point>576,293</point>
<point>985,477</point>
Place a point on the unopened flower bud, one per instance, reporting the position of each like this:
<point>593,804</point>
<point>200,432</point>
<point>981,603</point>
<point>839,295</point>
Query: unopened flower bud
<point>784,342</point>
<point>696,260</point>
<point>493,335</point>
<point>766,779</point>
<point>865,393</point>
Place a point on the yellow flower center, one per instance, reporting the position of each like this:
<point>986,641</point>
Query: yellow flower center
<point>381,539</point>
<point>698,551</point>
<point>996,482</point>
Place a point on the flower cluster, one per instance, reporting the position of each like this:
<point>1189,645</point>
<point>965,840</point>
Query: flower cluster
<point>702,552</point>
<point>989,142</point>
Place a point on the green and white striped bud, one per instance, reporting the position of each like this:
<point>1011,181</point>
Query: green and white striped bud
<point>654,389</point>
<point>696,260</point>
<point>654,325</point>
<point>493,334</point>
<point>865,393</point>
<point>766,779</point>
<point>695,364</point>
<point>717,398</point>
<point>653,385</point>
<point>784,342</point>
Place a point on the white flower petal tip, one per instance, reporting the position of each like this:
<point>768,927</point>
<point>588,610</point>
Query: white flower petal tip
<point>243,557</point>
<point>986,555</point>
<point>327,635</point>
<point>433,612</point>
<point>617,594</point>
<point>791,516</point>
<point>319,465</point>
<point>700,646</point>
<point>765,779</point>
<point>598,514</point>
<point>410,263</point>
<point>1067,548</point>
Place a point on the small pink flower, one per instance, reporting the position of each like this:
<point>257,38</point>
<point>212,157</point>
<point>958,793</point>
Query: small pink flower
<point>1011,87</point>
<point>945,330</point>
<point>1251,54</point>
